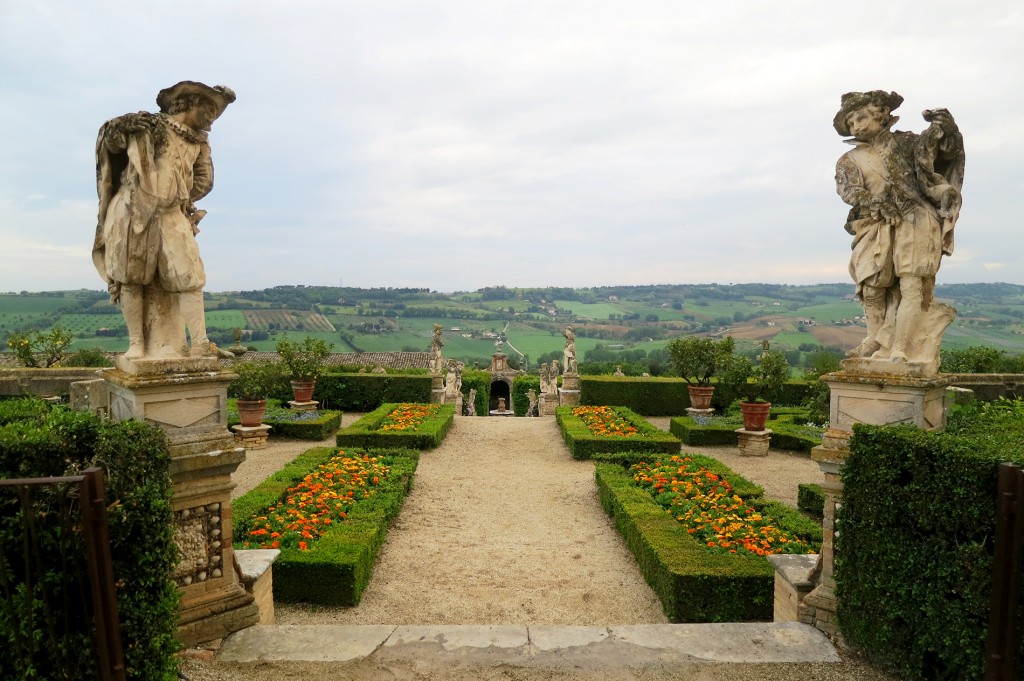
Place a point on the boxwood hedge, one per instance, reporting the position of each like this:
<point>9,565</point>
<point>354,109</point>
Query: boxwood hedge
<point>583,444</point>
<point>364,432</point>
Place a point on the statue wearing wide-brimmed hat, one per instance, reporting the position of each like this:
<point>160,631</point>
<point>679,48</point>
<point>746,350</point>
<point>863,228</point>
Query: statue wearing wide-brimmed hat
<point>150,171</point>
<point>904,193</point>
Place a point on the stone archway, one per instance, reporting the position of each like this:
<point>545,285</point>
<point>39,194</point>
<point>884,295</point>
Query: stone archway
<point>500,387</point>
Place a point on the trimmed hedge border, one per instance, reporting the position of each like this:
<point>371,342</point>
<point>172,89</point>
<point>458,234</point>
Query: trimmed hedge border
<point>583,444</point>
<point>337,568</point>
<point>367,391</point>
<point>327,423</point>
<point>721,432</point>
<point>664,396</point>
<point>694,584</point>
<point>363,433</point>
<point>810,499</point>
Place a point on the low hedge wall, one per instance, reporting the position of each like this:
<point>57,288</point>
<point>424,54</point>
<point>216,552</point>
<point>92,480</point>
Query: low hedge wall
<point>364,432</point>
<point>655,396</point>
<point>301,425</point>
<point>722,431</point>
<point>914,558</point>
<point>583,444</point>
<point>661,396</point>
<point>694,584</point>
<point>365,392</point>
<point>810,499</point>
<point>337,567</point>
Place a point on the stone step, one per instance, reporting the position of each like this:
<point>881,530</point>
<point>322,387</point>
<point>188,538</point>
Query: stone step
<point>609,647</point>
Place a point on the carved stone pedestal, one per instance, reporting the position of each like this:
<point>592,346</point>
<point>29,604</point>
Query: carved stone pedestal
<point>188,399</point>
<point>295,405</point>
<point>251,437</point>
<point>753,442</point>
<point>569,393</point>
<point>860,393</point>
<point>696,414</point>
<point>437,388</point>
<point>546,404</point>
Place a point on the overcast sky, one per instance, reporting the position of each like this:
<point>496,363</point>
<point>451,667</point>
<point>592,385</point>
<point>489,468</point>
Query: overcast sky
<point>455,144</point>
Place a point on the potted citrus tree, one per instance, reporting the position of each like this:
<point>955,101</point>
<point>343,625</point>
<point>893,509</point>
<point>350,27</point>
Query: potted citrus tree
<point>767,376</point>
<point>256,380</point>
<point>697,360</point>
<point>305,362</point>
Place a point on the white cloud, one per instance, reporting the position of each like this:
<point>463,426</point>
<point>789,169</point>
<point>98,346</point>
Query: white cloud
<point>458,144</point>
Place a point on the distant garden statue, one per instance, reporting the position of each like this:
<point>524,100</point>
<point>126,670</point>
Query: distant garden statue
<point>151,168</point>
<point>437,362</point>
<point>904,193</point>
<point>569,353</point>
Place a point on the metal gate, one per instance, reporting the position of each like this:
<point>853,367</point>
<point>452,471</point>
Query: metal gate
<point>76,504</point>
<point>1003,639</point>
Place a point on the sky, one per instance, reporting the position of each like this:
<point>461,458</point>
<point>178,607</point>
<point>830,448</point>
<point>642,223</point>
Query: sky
<point>457,144</point>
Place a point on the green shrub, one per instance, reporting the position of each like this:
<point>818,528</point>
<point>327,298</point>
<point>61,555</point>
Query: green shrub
<point>810,499</point>
<point>481,381</point>
<point>583,444</point>
<point>646,396</point>
<point>365,432</point>
<point>135,463</point>
<point>914,554</point>
<point>337,567</point>
<point>521,385</point>
<point>357,392</point>
<point>88,357</point>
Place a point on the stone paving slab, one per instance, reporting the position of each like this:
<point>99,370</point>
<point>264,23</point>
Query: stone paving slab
<point>783,642</point>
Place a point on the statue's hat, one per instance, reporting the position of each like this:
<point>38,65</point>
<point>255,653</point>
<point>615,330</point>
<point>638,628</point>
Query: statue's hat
<point>220,95</point>
<point>852,101</point>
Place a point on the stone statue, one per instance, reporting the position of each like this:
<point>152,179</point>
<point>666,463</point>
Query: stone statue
<point>453,381</point>
<point>534,399</point>
<point>904,193</point>
<point>569,354</point>
<point>470,405</point>
<point>618,370</point>
<point>151,168</point>
<point>436,362</point>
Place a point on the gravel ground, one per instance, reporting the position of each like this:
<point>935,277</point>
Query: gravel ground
<point>519,539</point>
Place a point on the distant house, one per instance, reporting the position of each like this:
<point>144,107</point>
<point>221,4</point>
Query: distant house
<point>613,299</point>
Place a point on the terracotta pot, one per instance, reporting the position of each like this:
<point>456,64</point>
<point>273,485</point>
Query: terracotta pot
<point>755,414</point>
<point>303,390</point>
<point>250,412</point>
<point>700,396</point>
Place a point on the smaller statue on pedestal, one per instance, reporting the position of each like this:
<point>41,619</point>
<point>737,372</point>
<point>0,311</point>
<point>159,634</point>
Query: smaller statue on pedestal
<point>569,353</point>
<point>436,362</point>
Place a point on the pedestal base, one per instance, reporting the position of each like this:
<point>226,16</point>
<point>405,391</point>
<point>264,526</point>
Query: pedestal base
<point>437,388</point>
<point>251,437</point>
<point>753,442</point>
<point>295,405</point>
<point>699,414</point>
<point>569,393</point>
<point>191,408</point>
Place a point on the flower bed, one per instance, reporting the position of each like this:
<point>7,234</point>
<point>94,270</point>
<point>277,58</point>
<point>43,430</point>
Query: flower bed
<point>413,425</point>
<point>721,430</point>
<point>334,563</point>
<point>302,425</point>
<point>695,582</point>
<point>595,429</point>
<point>704,503</point>
<point>323,497</point>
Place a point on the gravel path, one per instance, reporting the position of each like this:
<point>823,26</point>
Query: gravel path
<point>506,528</point>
